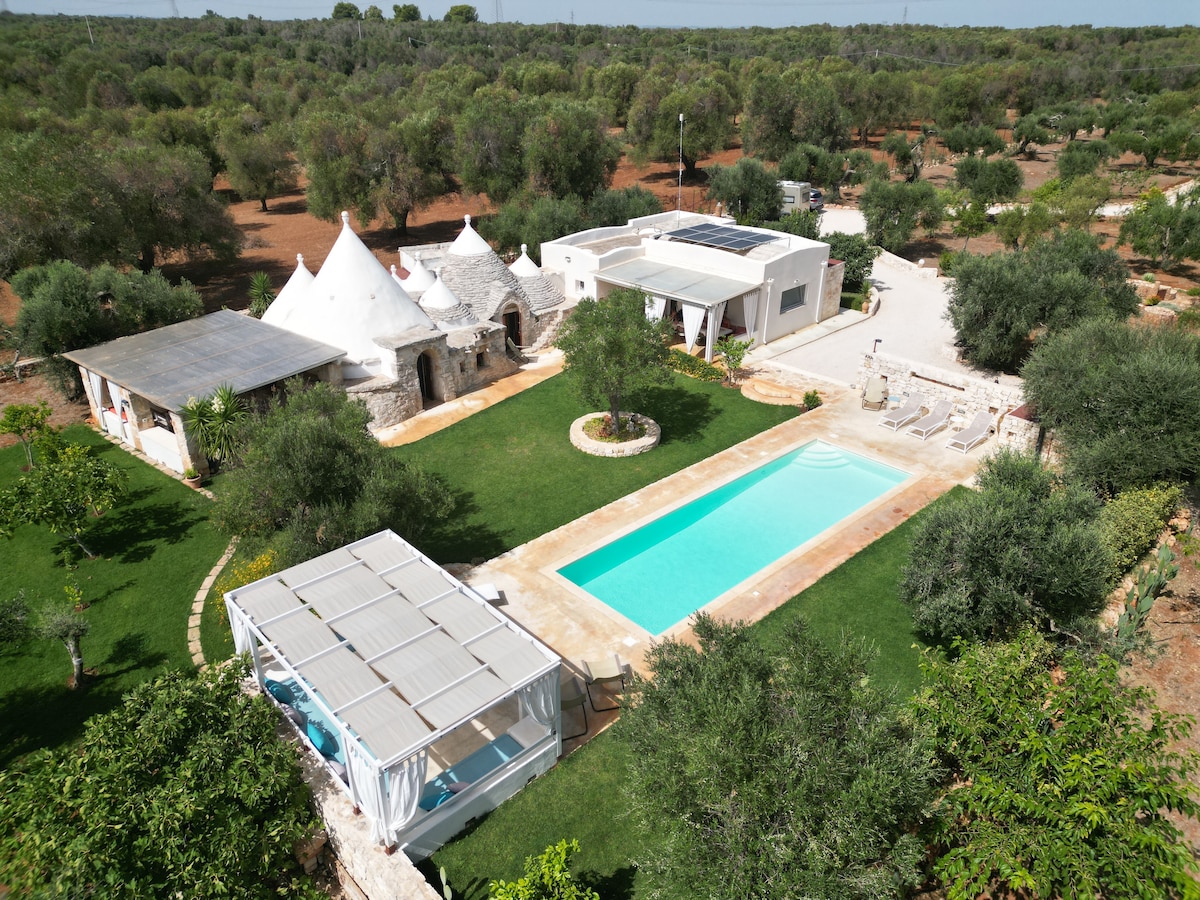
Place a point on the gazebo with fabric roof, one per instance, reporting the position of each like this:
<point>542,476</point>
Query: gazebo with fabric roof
<point>398,662</point>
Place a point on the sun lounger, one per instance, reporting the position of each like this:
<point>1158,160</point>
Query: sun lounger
<point>974,434</point>
<point>938,418</point>
<point>908,413</point>
<point>875,393</point>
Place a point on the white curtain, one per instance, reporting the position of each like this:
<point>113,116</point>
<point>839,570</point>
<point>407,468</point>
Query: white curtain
<point>715,315</point>
<point>540,699</point>
<point>98,398</point>
<point>750,302</point>
<point>243,638</point>
<point>406,781</point>
<point>655,307</point>
<point>693,318</point>
<point>366,789</point>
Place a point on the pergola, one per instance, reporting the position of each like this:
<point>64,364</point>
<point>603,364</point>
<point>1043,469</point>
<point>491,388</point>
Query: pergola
<point>701,296</point>
<point>396,655</point>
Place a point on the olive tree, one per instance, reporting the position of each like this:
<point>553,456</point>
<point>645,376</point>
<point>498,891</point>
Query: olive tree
<point>308,476</point>
<point>1123,402</point>
<point>1023,548</point>
<point>748,190</point>
<point>773,774</point>
<point>612,350</point>
<point>894,210</point>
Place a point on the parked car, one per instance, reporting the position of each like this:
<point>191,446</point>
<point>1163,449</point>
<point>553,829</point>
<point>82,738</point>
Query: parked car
<point>816,200</point>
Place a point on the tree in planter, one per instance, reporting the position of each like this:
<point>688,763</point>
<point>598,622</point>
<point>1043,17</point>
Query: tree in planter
<point>63,493</point>
<point>215,422</point>
<point>734,351</point>
<point>26,421</point>
<point>612,350</point>
<point>1058,778</point>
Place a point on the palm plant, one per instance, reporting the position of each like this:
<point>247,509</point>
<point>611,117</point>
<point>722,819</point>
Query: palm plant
<point>215,421</point>
<point>262,295</point>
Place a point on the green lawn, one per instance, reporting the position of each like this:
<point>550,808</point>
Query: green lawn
<point>516,476</point>
<point>153,552</point>
<point>582,796</point>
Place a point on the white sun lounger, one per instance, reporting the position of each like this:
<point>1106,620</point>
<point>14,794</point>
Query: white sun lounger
<point>974,434</point>
<point>938,418</point>
<point>909,412</point>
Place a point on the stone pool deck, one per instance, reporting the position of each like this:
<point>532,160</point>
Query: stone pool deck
<point>579,627</point>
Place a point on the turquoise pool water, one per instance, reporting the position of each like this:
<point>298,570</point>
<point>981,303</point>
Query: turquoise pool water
<point>673,566</point>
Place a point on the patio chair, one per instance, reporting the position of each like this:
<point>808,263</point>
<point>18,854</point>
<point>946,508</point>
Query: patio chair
<point>604,673</point>
<point>875,393</point>
<point>974,434</point>
<point>574,697</point>
<point>938,418</point>
<point>905,415</point>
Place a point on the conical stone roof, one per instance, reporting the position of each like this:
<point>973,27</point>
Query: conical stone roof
<point>419,279</point>
<point>353,300</point>
<point>538,288</point>
<point>446,309</point>
<point>290,295</point>
<point>477,276</point>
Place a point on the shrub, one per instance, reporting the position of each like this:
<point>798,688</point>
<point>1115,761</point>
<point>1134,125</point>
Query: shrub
<point>1149,277</point>
<point>245,571</point>
<point>1132,520</point>
<point>812,399</point>
<point>1058,778</point>
<point>946,261</point>
<point>693,366</point>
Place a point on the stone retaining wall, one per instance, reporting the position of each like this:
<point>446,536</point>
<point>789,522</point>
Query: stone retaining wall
<point>648,441</point>
<point>969,394</point>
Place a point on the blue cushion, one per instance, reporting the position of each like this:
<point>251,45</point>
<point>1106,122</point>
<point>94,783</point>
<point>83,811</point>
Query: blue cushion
<point>325,742</point>
<point>280,692</point>
<point>433,801</point>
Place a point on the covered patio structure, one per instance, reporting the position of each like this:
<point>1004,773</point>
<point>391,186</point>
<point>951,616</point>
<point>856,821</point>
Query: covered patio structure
<point>137,385</point>
<point>702,298</point>
<point>430,705</point>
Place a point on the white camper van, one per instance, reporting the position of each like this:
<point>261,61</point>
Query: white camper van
<point>795,196</point>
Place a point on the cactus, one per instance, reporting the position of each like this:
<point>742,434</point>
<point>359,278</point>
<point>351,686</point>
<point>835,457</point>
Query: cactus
<point>1152,580</point>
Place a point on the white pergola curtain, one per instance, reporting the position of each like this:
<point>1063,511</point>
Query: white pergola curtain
<point>540,700</point>
<point>98,392</point>
<point>366,789</point>
<point>655,307</point>
<point>750,303</point>
<point>693,318</point>
<point>715,315</point>
<point>406,781</point>
<point>243,638</point>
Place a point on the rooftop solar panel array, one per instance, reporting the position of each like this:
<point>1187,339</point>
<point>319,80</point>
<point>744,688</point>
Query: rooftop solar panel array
<point>724,237</point>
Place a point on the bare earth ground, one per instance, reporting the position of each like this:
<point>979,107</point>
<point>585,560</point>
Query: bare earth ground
<point>275,237</point>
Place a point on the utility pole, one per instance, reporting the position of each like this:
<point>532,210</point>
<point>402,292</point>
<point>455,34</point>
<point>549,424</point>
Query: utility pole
<point>679,194</point>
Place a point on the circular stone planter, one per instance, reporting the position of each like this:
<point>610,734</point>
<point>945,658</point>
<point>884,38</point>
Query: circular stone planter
<point>648,441</point>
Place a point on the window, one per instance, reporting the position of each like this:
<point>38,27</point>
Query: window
<point>578,287</point>
<point>480,361</point>
<point>792,298</point>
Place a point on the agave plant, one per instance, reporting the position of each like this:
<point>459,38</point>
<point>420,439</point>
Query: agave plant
<point>215,421</point>
<point>262,294</point>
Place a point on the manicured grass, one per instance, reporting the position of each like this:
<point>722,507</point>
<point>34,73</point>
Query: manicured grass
<point>859,598</point>
<point>153,550</point>
<point>583,796</point>
<point>516,476</point>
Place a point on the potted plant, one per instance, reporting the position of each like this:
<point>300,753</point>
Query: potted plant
<point>191,477</point>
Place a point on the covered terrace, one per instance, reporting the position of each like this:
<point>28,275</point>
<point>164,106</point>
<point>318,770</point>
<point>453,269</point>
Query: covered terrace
<point>701,298</point>
<point>429,705</point>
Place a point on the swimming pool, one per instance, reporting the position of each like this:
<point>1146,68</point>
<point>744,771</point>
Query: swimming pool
<point>667,569</point>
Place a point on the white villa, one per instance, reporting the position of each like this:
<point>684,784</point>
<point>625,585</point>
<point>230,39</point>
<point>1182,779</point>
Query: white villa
<point>706,273</point>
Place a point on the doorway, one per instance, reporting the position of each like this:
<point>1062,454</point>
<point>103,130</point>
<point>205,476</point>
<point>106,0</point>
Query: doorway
<point>512,326</point>
<point>425,379</point>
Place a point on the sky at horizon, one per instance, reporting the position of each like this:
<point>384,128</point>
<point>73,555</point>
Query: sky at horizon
<point>681,13</point>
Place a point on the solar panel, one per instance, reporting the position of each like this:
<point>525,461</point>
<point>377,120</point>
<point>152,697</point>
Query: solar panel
<point>723,237</point>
